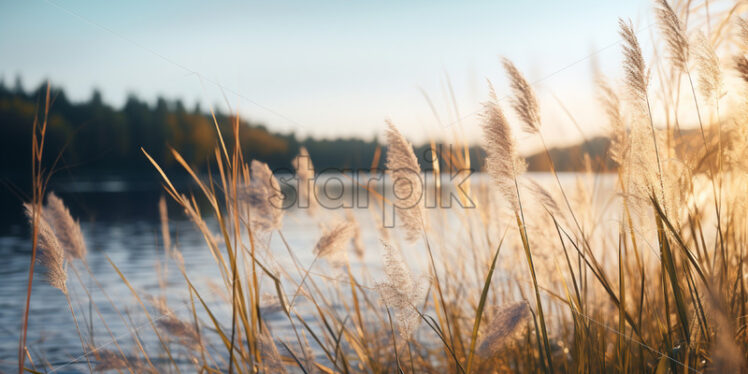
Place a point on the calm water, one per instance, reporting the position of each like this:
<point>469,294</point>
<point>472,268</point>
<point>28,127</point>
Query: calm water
<point>120,222</point>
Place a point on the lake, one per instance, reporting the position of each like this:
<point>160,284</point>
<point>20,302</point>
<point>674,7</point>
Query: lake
<point>120,221</point>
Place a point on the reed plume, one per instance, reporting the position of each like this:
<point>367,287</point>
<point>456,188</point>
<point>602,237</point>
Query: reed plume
<point>674,33</point>
<point>506,324</point>
<point>51,254</point>
<point>611,283</point>
<point>305,173</point>
<point>332,244</point>
<point>726,355</point>
<point>271,361</point>
<point>643,148</point>
<point>270,304</point>
<point>741,66</point>
<point>524,101</point>
<point>742,26</point>
<point>358,242</point>
<point>185,332</point>
<point>108,360</point>
<point>163,215</point>
<point>707,65</point>
<point>405,174</point>
<point>545,199</point>
<point>611,103</point>
<point>636,76</point>
<point>502,162</point>
<point>400,291</point>
<point>643,165</point>
<point>67,230</point>
<point>264,198</point>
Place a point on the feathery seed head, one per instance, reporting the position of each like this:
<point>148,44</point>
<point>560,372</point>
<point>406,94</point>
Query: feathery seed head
<point>502,162</point>
<point>271,359</point>
<point>358,243</point>
<point>110,360</point>
<point>264,197</point>
<point>545,199</point>
<point>637,78</point>
<point>742,26</point>
<point>332,244</point>
<point>302,163</point>
<point>608,98</point>
<point>674,33</point>
<point>741,65</point>
<point>184,332</point>
<point>67,230</point>
<point>400,291</point>
<point>707,65</point>
<point>407,185</point>
<point>524,101</point>
<point>51,255</point>
<point>164,217</point>
<point>505,325</point>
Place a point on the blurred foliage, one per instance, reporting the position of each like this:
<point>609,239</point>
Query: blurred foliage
<point>93,137</point>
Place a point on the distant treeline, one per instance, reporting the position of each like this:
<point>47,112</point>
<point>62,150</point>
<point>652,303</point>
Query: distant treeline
<point>93,137</point>
<point>97,137</point>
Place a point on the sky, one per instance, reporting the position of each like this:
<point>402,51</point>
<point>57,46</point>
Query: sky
<point>325,68</point>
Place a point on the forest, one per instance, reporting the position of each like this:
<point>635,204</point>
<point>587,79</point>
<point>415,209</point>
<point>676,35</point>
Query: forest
<point>93,137</point>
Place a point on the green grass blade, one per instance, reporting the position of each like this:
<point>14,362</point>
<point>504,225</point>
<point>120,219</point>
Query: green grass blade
<point>481,305</point>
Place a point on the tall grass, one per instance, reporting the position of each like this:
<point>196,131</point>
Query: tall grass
<point>535,278</point>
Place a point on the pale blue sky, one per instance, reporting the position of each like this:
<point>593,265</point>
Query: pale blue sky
<point>323,68</point>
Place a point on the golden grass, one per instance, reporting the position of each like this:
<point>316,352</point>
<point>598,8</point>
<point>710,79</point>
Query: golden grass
<point>661,289</point>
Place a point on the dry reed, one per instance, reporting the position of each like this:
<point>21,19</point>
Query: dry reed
<point>636,76</point>
<point>674,32</point>
<point>333,243</point>
<point>401,291</point>
<point>264,198</point>
<point>52,255</point>
<point>67,229</point>
<point>405,175</point>
<point>707,66</point>
<point>502,161</point>
<point>307,198</point>
<point>638,275</point>
<point>505,324</point>
<point>524,101</point>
